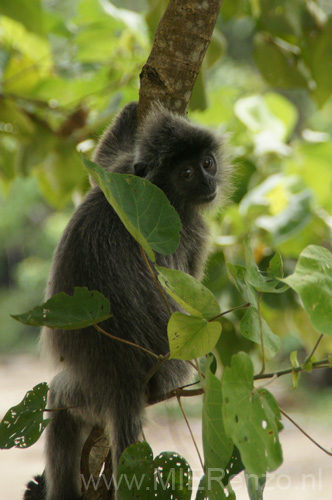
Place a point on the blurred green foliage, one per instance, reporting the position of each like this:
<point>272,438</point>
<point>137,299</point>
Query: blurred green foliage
<point>67,67</point>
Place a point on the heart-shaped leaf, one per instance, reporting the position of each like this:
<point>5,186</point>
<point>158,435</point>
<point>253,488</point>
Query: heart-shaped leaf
<point>24,423</point>
<point>142,207</point>
<point>189,292</point>
<point>191,337</point>
<point>312,280</point>
<point>83,309</point>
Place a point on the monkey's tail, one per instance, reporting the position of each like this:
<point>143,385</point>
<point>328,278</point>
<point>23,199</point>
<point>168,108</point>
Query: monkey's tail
<point>36,489</point>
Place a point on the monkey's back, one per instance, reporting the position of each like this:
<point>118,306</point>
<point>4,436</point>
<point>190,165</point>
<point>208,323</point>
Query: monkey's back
<point>97,252</point>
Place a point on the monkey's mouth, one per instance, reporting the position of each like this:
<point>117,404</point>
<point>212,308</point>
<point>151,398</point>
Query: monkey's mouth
<point>206,198</point>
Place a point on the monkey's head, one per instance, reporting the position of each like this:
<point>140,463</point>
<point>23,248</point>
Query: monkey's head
<point>183,159</point>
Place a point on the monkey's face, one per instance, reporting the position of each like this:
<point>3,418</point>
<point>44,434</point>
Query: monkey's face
<point>186,181</point>
<point>182,159</point>
<point>196,179</point>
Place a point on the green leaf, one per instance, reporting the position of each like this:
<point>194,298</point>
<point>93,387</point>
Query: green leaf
<point>283,204</point>
<point>294,360</point>
<point>256,115</point>
<point>191,337</point>
<point>317,53</point>
<point>83,309</point>
<point>238,274</point>
<point>216,48</point>
<point>315,157</point>
<point>199,99</point>
<point>295,364</point>
<point>234,466</point>
<point>284,110</point>
<point>142,207</point>
<point>278,62</point>
<point>189,292</point>
<point>135,472</point>
<point>250,329</point>
<point>255,485</point>
<point>12,116</point>
<point>211,487</point>
<point>307,366</point>
<point>269,132</point>
<point>55,164</point>
<point>94,43</point>
<point>312,280</point>
<point>281,17</point>
<point>173,477</point>
<point>23,424</point>
<point>218,447</point>
<point>28,13</point>
<point>250,417</point>
<point>254,277</point>
<point>275,269</point>
<point>155,13</point>
<point>140,476</point>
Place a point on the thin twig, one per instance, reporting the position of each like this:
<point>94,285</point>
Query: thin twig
<point>155,279</point>
<point>155,368</point>
<point>323,363</point>
<point>175,393</point>
<point>259,296</point>
<point>191,432</point>
<point>314,349</point>
<point>229,311</point>
<point>200,374</point>
<point>305,433</point>
<point>97,327</point>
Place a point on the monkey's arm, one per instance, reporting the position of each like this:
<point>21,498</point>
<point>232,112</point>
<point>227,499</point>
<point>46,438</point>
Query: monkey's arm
<point>118,141</point>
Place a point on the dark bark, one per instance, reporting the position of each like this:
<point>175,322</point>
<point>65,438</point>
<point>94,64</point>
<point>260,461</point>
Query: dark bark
<point>181,41</point>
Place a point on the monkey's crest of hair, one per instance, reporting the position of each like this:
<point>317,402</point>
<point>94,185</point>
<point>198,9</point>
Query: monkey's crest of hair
<point>165,135</point>
<point>165,138</point>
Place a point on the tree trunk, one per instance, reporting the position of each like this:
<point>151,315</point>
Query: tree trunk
<point>180,43</point>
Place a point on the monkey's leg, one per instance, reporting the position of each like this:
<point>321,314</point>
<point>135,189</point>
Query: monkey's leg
<point>65,436</point>
<point>126,424</point>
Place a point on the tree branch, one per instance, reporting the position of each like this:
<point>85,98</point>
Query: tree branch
<point>323,363</point>
<point>180,392</point>
<point>180,43</point>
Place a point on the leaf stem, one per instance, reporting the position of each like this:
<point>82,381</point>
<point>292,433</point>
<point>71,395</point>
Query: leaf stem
<point>155,280</point>
<point>314,349</point>
<point>229,311</point>
<point>155,368</point>
<point>305,433</point>
<point>199,371</point>
<point>190,431</point>
<point>97,327</point>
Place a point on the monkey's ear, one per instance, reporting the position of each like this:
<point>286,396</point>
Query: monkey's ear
<point>140,169</point>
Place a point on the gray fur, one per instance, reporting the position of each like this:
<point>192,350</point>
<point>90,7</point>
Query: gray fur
<point>101,379</point>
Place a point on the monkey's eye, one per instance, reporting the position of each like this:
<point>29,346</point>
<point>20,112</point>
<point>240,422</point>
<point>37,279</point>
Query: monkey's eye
<point>187,173</point>
<point>207,163</point>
